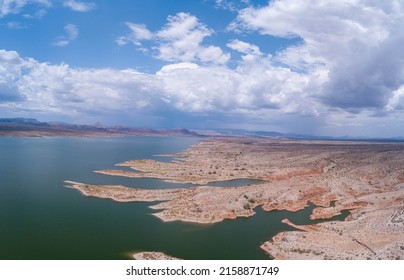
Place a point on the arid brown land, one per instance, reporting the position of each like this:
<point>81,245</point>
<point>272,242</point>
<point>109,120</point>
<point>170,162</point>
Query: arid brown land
<point>153,256</point>
<point>366,178</point>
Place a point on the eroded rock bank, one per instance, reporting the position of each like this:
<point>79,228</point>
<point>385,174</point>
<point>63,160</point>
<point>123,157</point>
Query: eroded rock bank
<point>365,178</point>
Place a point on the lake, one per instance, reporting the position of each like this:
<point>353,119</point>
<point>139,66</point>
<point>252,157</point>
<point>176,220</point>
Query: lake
<point>41,219</point>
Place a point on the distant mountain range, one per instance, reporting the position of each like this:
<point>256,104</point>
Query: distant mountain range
<point>33,128</point>
<point>28,127</point>
<point>291,136</point>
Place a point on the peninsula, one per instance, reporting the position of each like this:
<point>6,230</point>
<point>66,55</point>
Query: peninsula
<point>366,178</point>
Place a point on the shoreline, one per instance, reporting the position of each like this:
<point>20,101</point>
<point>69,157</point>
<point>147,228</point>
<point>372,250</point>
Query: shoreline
<point>334,177</point>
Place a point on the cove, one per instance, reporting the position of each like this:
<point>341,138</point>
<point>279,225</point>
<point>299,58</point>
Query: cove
<point>41,219</point>
<point>231,239</point>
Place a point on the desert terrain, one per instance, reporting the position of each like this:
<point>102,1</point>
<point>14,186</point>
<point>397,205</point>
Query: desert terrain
<point>153,256</point>
<point>366,178</point>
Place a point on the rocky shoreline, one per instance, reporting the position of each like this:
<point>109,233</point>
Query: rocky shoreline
<point>365,178</point>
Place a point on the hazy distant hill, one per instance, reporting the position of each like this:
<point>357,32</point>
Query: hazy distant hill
<point>278,135</point>
<point>28,127</point>
<point>34,128</point>
<point>22,121</point>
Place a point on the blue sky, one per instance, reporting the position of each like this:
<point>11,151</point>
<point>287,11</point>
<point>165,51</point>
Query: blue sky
<point>318,67</point>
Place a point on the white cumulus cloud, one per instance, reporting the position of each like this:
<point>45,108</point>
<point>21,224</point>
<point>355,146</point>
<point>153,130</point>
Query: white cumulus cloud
<point>355,42</point>
<point>180,40</point>
<point>184,87</point>
<point>79,6</point>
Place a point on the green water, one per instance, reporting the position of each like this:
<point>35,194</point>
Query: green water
<point>41,219</point>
